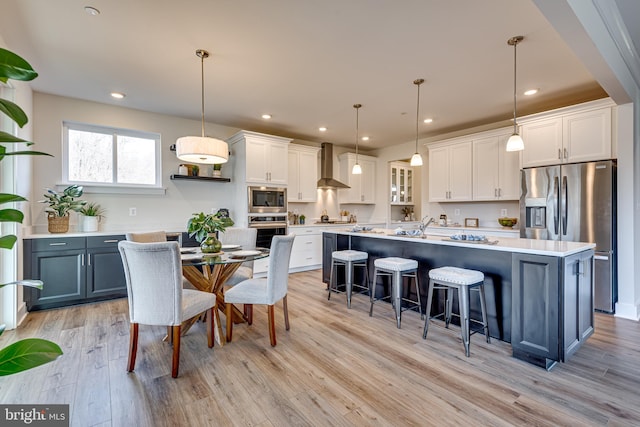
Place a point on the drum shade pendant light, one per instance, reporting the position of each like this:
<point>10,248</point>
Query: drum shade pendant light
<point>357,170</point>
<point>202,149</point>
<point>515,142</point>
<point>416,159</point>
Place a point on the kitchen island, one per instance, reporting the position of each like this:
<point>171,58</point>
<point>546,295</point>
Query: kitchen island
<point>539,293</point>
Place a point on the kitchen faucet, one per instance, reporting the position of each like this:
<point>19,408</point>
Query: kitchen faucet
<point>423,225</point>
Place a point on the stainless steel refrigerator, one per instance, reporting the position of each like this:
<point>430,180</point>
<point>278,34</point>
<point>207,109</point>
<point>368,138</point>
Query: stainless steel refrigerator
<point>576,202</point>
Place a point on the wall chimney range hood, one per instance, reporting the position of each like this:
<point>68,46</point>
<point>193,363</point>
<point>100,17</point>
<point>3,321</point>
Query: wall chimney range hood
<point>326,169</point>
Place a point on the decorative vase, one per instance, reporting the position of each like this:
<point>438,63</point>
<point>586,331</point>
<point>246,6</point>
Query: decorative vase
<point>217,173</point>
<point>58,224</point>
<point>88,223</point>
<point>211,244</point>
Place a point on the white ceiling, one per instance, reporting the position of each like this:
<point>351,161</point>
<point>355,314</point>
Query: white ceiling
<point>306,62</point>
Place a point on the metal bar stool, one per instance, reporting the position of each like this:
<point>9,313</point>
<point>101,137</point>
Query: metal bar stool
<point>464,280</point>
<point>397,269</point>
<point>349,259</point>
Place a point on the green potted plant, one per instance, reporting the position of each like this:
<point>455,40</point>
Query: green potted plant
<point>31,352</point>
<point>90,216</point>
<point>217,170</point>
<point>60,204</point>
<point>302,219</point>
<point>203,227</point>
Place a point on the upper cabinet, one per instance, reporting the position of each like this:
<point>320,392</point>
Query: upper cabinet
<point>496,171</point>
<point>363,186</point>
<point>450,167</point>
<point>401,181</point>
<point>574,134</point>
<point>303,173</point>
<point>265,157</point>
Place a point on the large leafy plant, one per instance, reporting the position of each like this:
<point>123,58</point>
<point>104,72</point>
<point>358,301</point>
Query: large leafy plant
<point>60,204</point>
<point>31,352</point>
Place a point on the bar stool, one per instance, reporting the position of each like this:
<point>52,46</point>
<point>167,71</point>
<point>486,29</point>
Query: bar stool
<point>397,269</point>
<point>349,259</point>
<point>464,280</point>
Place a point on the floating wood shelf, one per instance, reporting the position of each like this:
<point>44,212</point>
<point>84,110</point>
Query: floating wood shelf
<point>201,178</point>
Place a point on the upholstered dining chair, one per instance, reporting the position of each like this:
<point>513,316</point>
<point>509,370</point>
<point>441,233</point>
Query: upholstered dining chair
<point>246,238</point>
<point>153,272</point>
<point>265,291</point>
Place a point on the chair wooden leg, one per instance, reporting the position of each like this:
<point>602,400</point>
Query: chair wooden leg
<point>272,326</point>
<point>228,307</point>
<point>286,312</point>
<point>210,328</point>
<point>175,331</point>
<point>133,346</point>
<point>249,310</point>
<point>170,337</point>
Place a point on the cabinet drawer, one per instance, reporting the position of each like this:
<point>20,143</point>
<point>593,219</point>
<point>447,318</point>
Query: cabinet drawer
<point>57,244</point>
<point>104,241</point>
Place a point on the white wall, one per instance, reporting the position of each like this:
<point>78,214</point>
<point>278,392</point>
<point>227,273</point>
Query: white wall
<point>166,212</point>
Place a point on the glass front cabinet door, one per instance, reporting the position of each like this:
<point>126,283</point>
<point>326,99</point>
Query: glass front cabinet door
<point>401,180</point>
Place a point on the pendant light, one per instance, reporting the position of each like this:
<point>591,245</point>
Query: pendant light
<point>357,170</point>
<point>515,142</point>
<point>416,159</point>
<point>202,149</point>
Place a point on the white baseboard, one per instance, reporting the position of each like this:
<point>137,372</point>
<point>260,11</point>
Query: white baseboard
<point>628,311</point>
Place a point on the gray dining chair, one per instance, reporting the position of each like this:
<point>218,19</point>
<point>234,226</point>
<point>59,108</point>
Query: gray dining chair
<point>265,291</point>
<point>153,272</point>
<point>246,238</point>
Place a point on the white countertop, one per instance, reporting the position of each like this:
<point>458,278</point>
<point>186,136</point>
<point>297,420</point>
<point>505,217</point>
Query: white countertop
<point>527,246</point>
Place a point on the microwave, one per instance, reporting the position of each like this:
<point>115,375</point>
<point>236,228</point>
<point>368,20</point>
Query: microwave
<point>267,200</point>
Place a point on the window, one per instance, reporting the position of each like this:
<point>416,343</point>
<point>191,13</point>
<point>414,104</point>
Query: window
<point>101,157</point>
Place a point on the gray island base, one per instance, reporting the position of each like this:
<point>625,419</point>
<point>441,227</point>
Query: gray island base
<point>539,293</point>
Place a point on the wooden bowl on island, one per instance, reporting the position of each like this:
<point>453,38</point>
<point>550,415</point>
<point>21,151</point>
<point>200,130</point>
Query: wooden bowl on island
<point>508,222</point>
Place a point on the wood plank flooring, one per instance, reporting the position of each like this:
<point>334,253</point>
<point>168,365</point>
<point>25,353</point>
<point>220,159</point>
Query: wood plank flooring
<point>335,367</point>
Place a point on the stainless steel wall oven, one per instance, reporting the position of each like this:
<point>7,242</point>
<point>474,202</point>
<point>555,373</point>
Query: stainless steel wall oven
<point>267,200</point>
<point>268,226</point>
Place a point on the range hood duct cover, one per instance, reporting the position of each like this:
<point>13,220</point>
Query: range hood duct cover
<point>326,169</point>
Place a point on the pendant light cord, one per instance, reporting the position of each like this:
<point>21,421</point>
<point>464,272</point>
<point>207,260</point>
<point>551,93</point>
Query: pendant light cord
<point>515,50</point>
<point>357,107</point>
<point>417,82</point>
<point>202,54</point>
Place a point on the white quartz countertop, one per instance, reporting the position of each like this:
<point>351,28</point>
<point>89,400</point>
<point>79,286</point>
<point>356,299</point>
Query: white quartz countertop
<point>527,246</point>
<point>83,234</point>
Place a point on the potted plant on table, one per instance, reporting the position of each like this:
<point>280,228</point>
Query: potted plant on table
<point>60,204</point>
<point>203,227</point>
<point>90,215</point>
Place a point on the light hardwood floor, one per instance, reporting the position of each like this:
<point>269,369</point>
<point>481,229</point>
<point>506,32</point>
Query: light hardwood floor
<point>335,367</point>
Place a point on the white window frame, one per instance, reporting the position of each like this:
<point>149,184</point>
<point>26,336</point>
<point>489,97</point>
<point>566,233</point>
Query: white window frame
<point>94,187</point>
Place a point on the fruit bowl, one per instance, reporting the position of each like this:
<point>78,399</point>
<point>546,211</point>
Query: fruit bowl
<point>508,222</point>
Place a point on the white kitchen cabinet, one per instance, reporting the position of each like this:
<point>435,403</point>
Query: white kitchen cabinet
<point>401,181</point>
<point>574,134</point>
<point>261,159</point>
<point>496,171</point>
<point>362,187</point>
<point>450,172</point>
<point>303,174</point>
<point>306,253</point>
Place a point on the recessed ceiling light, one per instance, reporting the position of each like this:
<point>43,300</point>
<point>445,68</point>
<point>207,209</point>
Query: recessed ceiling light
<point>117,95</point>
<point>365,138</point>
<point>266,116</point>
<point>531,92</point>
<point>428,121</point>
<point>91,11</point>
<point>322,129</point>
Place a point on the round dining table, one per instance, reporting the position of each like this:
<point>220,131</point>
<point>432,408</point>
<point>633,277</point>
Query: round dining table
<point>209,272</point>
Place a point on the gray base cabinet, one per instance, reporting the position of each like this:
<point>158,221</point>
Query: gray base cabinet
<point>74,270</point>
<point>552,306</point>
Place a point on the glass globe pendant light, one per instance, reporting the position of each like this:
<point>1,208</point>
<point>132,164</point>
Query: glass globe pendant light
<point>357,170</point>
<point>416,159</point>
<point>515,142</point>
<point>202,149</point>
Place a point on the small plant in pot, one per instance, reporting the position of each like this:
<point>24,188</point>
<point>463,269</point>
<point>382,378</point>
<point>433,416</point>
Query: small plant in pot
<point>60,204</point>
<point>203,227</point>
<point>90,215</point>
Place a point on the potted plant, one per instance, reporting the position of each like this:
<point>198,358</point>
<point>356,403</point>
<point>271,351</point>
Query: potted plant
<point>302,218</point>
<point>90,215</point>
<point>31,352</point>
<point>203,227</point>
<point>217,170</point>
<point>60,204</point>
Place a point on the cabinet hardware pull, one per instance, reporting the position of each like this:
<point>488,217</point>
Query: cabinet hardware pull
<point>495,192</point>
<point>82,259</point>
<point>559,154</point>
<point>58,244</point>
<point>111,241</point>
<point>89,259</point>
<point>566,153</point>
<point>499,192</point>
